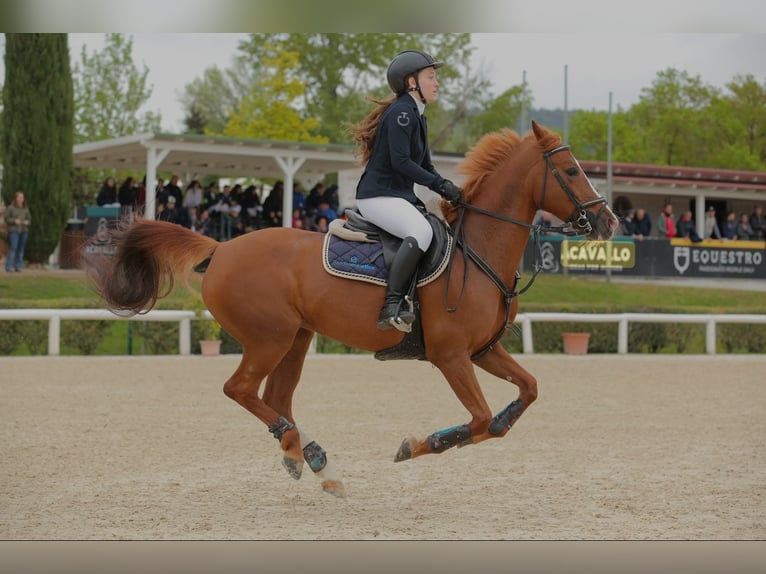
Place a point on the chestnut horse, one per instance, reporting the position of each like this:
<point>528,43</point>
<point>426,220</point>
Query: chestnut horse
<point>270,291</point>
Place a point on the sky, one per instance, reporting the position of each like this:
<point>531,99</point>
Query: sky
<point>593,64</point>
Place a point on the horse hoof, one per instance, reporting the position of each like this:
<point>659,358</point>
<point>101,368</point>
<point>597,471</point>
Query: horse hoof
<point>293,467</point>
<point>405,450</point>
<point>334,487</point>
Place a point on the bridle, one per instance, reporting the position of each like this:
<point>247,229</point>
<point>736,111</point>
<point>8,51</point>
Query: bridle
<point>580,222</point>
<point>581,217</point>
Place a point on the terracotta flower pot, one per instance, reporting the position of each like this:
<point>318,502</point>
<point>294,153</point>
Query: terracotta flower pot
<point>576,343</point>
<point>210,348</point>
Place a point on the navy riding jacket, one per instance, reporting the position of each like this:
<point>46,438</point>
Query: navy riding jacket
<point>400,155</point>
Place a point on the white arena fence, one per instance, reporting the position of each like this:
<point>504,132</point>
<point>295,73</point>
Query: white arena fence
<point>525,320</point>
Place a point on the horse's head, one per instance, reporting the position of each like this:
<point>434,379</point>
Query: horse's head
<point>567,193</point>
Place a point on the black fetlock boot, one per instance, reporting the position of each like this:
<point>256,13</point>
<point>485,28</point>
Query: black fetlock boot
<point>403,267</point>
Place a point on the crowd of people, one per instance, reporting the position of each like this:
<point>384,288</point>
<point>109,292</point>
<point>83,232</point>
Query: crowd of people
<point>226,212</point>
<point>637,223</point>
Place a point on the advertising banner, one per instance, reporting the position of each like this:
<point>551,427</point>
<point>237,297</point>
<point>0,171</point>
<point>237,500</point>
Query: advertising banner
<point>651,257</point>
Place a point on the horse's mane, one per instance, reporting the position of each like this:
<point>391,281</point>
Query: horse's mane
<point>486,156</point>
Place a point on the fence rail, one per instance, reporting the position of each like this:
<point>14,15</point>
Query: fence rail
<point>525,320</point>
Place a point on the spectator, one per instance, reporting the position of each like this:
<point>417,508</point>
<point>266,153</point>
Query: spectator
<point>236,225</point>
<point>312,201</point>
<point>299,221</point>
<point>332,197</point>
<point>211,196</point>
<point>321,223</point>
<point>326,210</point>
<point>18,219</point>
<point>107,195</point>
<point>170,212</point>
<point>686,227</point>
<point>127,195</point>
<point>758,224</point>
<point>141,195</point>
<point>744,230</point>
<point>251,203</point>
<point>272,206</point>
<point>319,192</point>
<point>729,227</point>
<point>203,224</point>
<point>642,224</point>
<point>299,199</point>
<point>628,226</point>
<point>193,195</point>
<point>666,227</point>
<point>172,188</point>
<point>711,224</point>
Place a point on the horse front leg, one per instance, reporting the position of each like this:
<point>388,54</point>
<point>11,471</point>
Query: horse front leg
<point>499,363</point>
<point>461,377</point>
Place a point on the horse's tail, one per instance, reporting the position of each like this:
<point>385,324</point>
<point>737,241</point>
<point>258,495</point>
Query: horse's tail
<point>149,256</point>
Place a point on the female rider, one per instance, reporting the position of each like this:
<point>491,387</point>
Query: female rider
<point>393,142</point>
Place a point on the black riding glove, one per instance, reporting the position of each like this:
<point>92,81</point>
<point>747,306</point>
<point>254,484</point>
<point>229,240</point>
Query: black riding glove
<point>450,191</point>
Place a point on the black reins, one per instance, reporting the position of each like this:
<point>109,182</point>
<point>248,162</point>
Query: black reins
<point>581,218</point>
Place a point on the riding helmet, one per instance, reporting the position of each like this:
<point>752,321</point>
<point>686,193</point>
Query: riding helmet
<point>406,63</point>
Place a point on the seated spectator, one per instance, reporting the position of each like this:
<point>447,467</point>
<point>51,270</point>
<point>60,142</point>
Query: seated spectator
<point>729,227</point>
<point>326,211</point>
<point>686,228</point>
<point>744,230</point>
<point>168,211</point>
<point>711,224</point>
<point>321,224</point>
<point>203,224</point>
<point>642,225</point>
<point>758,223</point>
<point>236,225</point>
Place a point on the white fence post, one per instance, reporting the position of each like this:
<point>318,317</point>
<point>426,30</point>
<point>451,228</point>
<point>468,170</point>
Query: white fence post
<point>622,336</point>
<point>54,335</point>
<point>710,337</point>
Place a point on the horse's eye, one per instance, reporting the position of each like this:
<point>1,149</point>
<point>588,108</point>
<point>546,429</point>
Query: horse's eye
<point>572,171</point>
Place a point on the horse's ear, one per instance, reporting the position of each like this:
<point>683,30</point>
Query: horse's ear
<point>540,131</point>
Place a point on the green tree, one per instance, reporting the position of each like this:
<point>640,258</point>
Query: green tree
<point>671,117</point>
<point>109,92</point>
<point>37,134</point>
<point>339,70</point>
<point>215,96</point>
<point>738,130</point>
<point>272,111</point>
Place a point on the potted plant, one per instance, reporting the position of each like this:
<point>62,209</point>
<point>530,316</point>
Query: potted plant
<point>575,343</point>
<point>208,330</point>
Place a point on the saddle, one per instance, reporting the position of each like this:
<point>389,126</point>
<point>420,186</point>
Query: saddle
<point>358,249</point>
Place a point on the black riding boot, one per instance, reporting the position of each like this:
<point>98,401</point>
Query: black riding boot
<point>403,267</point>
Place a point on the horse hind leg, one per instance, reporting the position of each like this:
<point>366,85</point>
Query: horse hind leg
<point>278,394</point>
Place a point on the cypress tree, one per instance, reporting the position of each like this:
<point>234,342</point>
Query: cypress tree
<point>37,134</point>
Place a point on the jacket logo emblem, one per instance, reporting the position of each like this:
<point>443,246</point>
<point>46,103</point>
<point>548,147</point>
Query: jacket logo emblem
<point>403,119</point>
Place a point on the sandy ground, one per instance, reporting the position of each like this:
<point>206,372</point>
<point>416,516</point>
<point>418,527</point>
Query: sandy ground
<point>616,447</point>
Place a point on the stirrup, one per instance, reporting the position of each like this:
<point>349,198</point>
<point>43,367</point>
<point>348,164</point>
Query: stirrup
<point>396,323</point>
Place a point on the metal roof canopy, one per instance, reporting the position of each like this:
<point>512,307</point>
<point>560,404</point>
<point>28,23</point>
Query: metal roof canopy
<point>212,155</point>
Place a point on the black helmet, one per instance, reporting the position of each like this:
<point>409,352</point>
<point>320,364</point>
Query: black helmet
<point>406,63</point>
